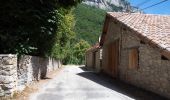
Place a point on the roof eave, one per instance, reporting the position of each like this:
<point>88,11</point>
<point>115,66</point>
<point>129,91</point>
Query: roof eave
<point>105,28</point>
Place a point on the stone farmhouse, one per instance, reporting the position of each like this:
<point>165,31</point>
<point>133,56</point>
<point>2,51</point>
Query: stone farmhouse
<point>93,58</point>
<point>136,50</point>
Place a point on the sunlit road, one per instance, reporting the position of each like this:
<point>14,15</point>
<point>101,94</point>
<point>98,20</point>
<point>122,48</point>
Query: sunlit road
<point>73,84</point>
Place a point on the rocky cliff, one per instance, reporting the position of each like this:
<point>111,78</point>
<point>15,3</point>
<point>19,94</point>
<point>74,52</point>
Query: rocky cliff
<point>108,4</point>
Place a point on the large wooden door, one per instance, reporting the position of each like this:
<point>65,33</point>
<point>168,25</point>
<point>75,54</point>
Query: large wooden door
<point>94,60</point>
<point>113,58</point>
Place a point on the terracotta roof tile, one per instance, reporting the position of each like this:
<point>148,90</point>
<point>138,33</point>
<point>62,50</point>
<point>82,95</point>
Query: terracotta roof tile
<point>94,47</point>
<point>154,27</point>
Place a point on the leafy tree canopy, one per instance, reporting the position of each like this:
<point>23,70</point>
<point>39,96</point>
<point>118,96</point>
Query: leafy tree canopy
<point>41,28</point>
<point>31,26</point>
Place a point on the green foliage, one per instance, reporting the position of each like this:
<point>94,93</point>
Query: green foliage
<point>39,27</point>
<point>31,26</point>
<point>65,34</point>
<point>88,28</point>
<point>115,8</point>
<point>77,53</point>
<point>68,3</point>
<point>79,50</point>
<point>23,49</point>
<point>67,48</point>
<point>89,22</point>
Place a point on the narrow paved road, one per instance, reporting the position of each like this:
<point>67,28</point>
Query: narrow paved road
<point>73,83</point>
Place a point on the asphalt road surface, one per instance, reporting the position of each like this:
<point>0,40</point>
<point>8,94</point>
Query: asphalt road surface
<point>76,83</point>
<point>73,83</point>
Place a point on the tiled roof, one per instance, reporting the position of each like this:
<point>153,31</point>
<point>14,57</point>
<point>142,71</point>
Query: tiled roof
<point>94,47</point>
<point>155,28</point>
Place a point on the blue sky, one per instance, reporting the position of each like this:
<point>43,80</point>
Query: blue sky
<point>163,8</point>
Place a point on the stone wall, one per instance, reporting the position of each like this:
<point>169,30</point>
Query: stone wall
<point>8,74</point>
<point>90,59</point>
<point>113,33</point>
<point>17,73</point>
<point>152,73</point>
<point>98,61</point>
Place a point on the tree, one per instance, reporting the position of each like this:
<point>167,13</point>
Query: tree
<point>41,28</point>
<point>65,35</point>
<point>79,51</point>
<point>31,26</point>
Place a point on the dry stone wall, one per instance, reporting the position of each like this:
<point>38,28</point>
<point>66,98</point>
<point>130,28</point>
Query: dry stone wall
<point>8,74</point>
<point>17,73</point>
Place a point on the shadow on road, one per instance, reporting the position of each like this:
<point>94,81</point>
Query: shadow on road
<point>119,86</point>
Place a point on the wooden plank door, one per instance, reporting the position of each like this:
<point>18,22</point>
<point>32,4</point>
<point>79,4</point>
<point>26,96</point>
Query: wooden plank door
<point>113,58</point>
<point>94,59</point>
<point>109,62</point>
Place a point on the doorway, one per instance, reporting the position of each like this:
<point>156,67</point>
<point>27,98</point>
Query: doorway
<point>113,58</point>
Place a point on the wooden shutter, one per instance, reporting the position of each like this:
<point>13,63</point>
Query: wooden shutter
<point>133,58</point>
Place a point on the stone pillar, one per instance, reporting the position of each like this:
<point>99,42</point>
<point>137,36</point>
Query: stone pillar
<point>8,74</point>
<point>24,72</point>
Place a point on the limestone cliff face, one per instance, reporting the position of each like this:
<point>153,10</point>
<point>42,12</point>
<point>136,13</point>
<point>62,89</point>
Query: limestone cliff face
<point>107,4</point>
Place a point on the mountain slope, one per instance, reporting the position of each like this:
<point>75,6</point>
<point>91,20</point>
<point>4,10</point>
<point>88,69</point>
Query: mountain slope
<point>108,5</point>
<point>89,22</point>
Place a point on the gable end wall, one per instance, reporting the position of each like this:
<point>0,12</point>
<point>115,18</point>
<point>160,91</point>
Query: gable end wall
<point>111,35</point>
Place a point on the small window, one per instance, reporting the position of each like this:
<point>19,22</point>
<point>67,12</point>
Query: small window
<point>134,58</point>
<point>142,42</point>
<point>164,58</point>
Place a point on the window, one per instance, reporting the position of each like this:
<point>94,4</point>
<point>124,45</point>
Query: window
<point>142,42</point>
<point>134,58</point>
<point>164,58</point>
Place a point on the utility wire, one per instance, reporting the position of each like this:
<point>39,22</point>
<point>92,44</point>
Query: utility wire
<point>154,5</point>
<point>144,8</point>
<point>140,4</point>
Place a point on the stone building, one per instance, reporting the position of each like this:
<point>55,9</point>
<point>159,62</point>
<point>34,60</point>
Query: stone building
<point>136,49</point>
<point>93,58</point>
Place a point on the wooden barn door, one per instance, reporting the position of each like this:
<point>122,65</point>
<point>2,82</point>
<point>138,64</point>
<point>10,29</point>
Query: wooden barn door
<point>94,60</point>
<point>113,58</point>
